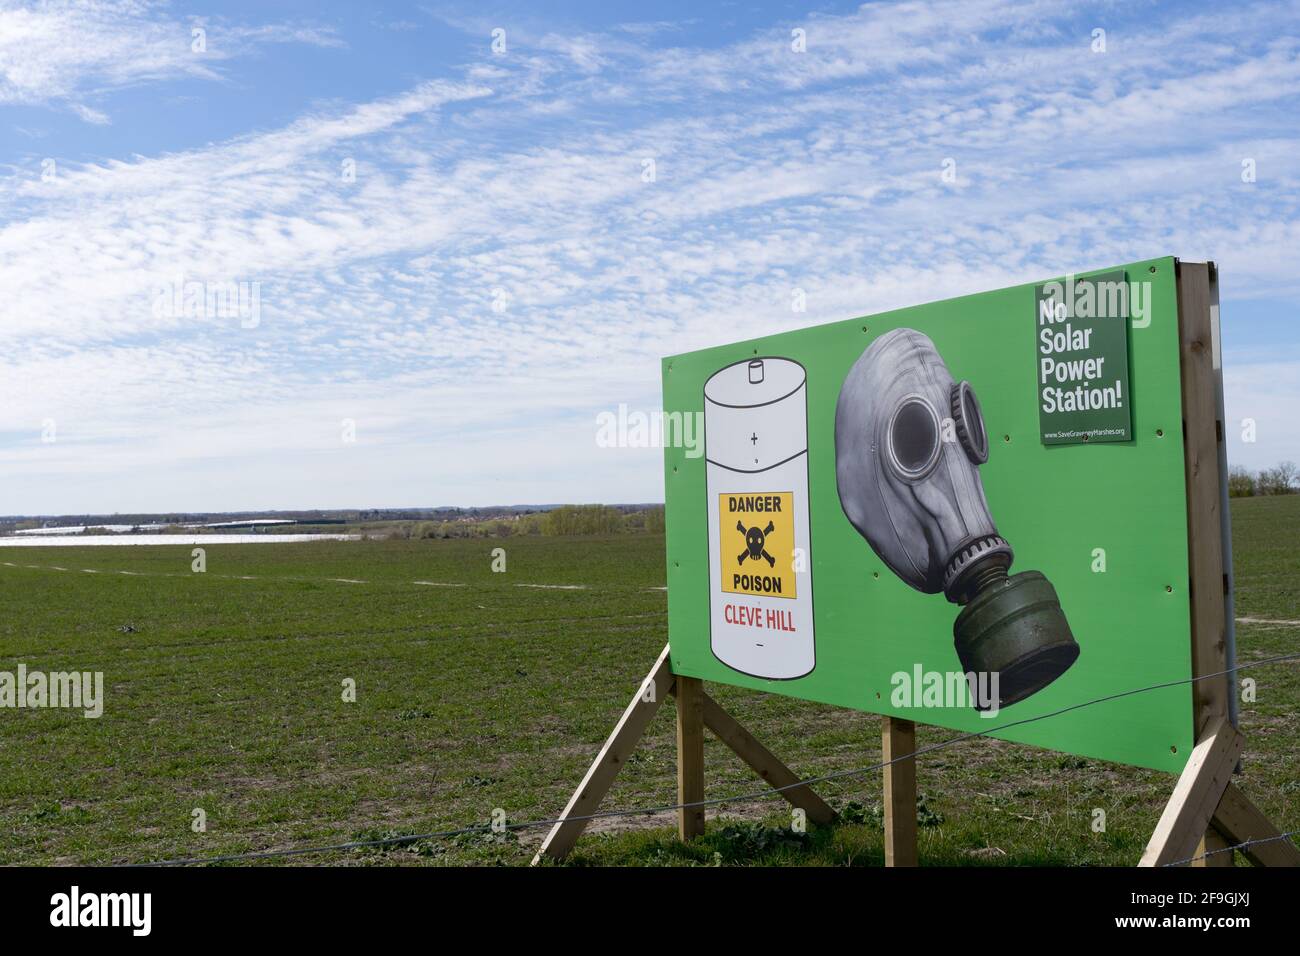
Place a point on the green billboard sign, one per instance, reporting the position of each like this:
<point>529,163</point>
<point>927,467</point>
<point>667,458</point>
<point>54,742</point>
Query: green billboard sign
<point>886,517</point>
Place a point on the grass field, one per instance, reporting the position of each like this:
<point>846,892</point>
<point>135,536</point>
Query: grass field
<point>224,692</point>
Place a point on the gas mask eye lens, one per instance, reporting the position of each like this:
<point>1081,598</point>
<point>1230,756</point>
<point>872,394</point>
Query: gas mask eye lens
<point>969,423</point>
<point>914,438</point>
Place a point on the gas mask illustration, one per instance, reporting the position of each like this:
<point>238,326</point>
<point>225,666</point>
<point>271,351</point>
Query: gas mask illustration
<point>909,483</point>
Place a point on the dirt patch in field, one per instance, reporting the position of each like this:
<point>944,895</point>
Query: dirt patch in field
<point>745,810</point>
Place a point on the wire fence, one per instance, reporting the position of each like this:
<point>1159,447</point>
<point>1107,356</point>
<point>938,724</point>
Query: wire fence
<point>766,793</point>
<point>1236,846</point>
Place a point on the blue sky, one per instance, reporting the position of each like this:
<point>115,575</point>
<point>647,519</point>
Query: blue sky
<point>498,271</point>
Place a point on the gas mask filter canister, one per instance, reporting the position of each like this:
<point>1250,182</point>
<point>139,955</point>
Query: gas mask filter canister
<point>919,502</point>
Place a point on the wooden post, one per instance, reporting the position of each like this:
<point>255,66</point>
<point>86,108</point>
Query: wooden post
<point>1213,850</point>
<point>1201,435</point>
<point>898,739</point>
<point>690,756</point>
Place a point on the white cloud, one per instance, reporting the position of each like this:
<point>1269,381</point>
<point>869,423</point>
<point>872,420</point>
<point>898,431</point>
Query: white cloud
<point>63,52</point>
<point>377,295</point>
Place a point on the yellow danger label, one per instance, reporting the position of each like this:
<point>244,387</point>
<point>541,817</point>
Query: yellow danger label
<point>757,541</point>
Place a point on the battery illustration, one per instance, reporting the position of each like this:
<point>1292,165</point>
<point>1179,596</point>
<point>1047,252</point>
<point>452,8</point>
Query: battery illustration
<point>760,555</point>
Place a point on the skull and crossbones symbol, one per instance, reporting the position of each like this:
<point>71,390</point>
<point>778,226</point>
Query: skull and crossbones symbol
<point>756,543</point>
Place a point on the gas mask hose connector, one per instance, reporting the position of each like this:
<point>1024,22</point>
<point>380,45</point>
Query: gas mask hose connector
<point>981,579</point>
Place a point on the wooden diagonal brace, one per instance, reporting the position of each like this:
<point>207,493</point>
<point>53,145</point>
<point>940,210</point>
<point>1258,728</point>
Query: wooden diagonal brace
<point>613,755</point>
<point>1240,821</point>
<point>763,762</point>
<point>1196,797</point>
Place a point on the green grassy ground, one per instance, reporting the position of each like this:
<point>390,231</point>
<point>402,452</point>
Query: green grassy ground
<point>224,693</point>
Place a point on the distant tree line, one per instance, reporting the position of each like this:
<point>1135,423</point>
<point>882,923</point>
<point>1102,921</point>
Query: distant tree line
<point>561,521</point>
<point>1279,480</point>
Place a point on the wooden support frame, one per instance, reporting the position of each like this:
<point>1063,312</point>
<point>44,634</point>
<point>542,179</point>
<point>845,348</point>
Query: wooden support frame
<point>1206,813</point>
<point>695,711</point>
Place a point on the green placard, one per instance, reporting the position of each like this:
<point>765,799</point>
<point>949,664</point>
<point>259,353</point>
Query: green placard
<point>1081,333</point>
<point>876,523</point>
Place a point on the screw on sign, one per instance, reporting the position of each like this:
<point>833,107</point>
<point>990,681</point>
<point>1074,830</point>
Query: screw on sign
<point>756,451</point>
